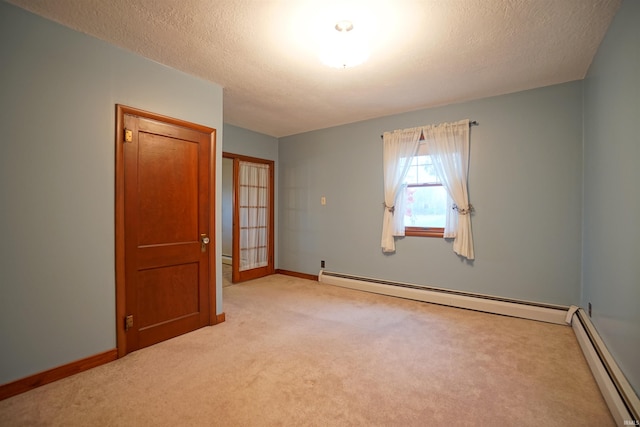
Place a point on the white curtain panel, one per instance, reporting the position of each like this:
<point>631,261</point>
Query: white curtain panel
<point>398,149</point>
<point>448,146</point>
<point>253,212</point>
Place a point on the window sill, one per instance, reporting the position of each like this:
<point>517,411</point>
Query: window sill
<point>424,232</point>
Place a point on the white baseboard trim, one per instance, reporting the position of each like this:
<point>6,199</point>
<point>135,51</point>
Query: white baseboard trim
<point>621,399</point>
<point>226,259</point>
<point>486,303</point>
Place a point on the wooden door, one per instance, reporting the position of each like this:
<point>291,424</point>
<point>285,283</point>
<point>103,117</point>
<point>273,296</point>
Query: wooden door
<point>167,223</point>
<point>253,218</point>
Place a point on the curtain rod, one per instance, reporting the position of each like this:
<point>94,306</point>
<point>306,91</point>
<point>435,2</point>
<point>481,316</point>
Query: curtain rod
<point>471,123</point>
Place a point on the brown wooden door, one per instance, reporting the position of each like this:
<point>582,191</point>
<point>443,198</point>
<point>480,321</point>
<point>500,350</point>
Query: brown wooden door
<point>167,180</point>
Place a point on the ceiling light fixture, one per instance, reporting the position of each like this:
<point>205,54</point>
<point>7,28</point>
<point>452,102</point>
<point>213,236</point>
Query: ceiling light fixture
<point>344,26</point>
<point>345,47</point>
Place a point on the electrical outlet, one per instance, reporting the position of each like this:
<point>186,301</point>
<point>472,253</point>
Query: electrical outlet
<point>322,264</point>
<point>589,309</point>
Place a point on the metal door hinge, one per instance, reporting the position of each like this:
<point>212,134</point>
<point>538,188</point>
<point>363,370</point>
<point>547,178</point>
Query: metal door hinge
<point>128,322</point>
<point>128,135</point>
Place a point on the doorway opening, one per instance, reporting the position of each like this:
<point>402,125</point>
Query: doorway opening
<point>247,218</point>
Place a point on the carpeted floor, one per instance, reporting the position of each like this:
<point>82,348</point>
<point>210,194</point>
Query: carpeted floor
<point>226,275</point>
<point>294,352</point>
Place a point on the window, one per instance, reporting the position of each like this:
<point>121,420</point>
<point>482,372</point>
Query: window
<point>425,198</point>
<point>416,203</point>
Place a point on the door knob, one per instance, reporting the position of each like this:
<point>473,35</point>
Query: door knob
<point>204,241</point>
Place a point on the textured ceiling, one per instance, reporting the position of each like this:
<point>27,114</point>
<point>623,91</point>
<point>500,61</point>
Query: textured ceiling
<point>424,52</point>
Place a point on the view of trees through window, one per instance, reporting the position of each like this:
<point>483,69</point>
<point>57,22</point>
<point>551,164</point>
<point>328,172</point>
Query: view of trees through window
<point>425,197</point>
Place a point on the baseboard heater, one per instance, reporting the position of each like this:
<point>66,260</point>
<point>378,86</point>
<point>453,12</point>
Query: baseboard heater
<point>479,302</point>
<point>621,399</point>
<point>616,390</point>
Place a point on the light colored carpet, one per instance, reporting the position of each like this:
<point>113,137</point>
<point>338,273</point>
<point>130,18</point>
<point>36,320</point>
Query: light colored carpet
<point>294,352</point>
<point>226,275</point>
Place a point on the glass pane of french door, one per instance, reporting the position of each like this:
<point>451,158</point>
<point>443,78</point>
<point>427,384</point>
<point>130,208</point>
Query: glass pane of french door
<point>253,213</point>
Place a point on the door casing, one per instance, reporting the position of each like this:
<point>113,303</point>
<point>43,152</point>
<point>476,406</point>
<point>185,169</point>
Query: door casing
<point>238,276</point>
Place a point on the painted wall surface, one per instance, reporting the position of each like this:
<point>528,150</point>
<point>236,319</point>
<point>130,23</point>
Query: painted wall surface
<point>611,267</point>
<point>524,181</point>
<point>227,207</point>
<point>58,91</point>
<point>248,143</point>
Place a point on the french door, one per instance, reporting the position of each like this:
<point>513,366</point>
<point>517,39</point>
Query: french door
<point>253,218</point>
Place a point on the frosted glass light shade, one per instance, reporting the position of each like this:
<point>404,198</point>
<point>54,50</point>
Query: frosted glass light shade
<point>344,48</point>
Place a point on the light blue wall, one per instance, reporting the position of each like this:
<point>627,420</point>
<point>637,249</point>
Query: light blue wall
<point>525,183</point>
<point>227,207</point>
<point>611,263</point>
<point>248,143</point>
<point>58,91</point>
